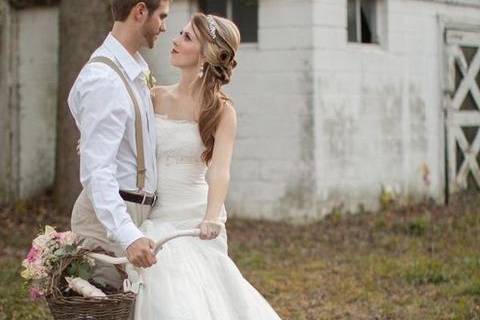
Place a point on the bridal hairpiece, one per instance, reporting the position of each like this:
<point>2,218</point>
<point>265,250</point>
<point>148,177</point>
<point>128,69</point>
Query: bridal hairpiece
<point>212,27</point>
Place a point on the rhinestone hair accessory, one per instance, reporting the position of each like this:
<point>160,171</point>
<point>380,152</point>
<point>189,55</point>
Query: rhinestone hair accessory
<point>212,27</point>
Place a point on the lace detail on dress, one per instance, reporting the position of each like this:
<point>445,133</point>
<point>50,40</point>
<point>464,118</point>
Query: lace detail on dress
<point>178,142</point>
<point>181,182</point>
<point>171,158</point>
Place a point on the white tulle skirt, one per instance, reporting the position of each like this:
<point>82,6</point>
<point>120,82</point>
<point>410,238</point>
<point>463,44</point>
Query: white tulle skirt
<point>195,279</point>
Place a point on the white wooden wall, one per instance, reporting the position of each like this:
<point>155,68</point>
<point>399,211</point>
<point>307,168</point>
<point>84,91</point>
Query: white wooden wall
<point>379,113</point>
<point>272,91</point>
<point>324,123</point>
<point>28,99</point>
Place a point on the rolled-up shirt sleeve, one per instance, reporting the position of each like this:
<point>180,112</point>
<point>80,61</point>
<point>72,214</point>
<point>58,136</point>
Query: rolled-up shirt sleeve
<point>103,111</point>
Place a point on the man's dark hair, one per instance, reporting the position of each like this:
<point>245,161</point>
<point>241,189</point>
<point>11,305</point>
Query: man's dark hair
<point>121,8</point>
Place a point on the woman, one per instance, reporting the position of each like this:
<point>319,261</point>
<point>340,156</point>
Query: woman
<point>196,123</point>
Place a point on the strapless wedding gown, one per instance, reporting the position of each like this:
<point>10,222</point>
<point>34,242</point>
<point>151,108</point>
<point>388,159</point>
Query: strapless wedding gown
<point>193,279</point>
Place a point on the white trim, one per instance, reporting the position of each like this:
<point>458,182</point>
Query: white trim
<point>249,45</point>
<point>461,3</point>
<point>453,33</point>
<point>230,9</point>
<point>462,37</point>
<point>358,20</point>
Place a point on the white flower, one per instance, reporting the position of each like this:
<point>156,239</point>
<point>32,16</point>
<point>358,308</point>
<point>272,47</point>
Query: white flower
<point>50,231</point>
<point>150,80</point>
<point>41,241</point>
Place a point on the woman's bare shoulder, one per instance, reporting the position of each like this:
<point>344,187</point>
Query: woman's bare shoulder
<point>228,120</point>
<point>229,111</point>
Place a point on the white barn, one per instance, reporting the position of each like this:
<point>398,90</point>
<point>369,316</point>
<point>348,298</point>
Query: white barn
<point>29,43</point>
<point>338,100</point>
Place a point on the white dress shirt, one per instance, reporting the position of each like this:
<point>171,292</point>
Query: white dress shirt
<point>104,114</point>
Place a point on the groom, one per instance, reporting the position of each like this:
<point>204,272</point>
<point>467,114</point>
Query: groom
<point>111,105</point>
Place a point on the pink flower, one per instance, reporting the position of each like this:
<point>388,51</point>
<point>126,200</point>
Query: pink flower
<point>35,293</point>
<point>66,238</point>
<point>33,254</point>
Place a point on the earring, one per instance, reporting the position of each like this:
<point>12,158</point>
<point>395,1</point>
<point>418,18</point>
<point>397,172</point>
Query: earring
<point>200,73</point>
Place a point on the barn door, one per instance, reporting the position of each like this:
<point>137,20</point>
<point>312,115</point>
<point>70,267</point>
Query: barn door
<point>462,102</point>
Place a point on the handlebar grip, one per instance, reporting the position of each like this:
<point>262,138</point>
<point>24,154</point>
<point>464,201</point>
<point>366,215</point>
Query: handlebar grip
<point>158,245</point>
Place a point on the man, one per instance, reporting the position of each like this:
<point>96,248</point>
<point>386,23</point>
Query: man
<point>114,113</point>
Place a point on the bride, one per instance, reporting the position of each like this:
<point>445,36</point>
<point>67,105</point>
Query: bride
<point>194,278</point>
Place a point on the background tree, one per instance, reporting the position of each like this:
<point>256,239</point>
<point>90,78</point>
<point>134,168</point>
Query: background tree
<point>83,26</point>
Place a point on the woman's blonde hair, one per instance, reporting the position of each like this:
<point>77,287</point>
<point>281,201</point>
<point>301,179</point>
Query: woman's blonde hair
<point>219,52</point>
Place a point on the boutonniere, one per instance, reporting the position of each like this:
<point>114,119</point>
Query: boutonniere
<point>150,80</point>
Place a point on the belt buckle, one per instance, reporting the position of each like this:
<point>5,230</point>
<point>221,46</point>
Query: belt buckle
<point>144,198</point>
<point>155,197</point>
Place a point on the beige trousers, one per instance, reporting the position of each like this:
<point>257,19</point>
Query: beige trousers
<point>86,224</point>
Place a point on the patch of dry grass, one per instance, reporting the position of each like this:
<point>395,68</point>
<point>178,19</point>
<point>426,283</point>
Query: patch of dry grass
<point>419,262</point>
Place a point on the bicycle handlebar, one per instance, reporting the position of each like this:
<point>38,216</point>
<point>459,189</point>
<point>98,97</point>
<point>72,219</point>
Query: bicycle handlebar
<point>158,246</point>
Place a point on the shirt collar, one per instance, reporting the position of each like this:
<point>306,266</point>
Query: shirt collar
<point>134,65</point>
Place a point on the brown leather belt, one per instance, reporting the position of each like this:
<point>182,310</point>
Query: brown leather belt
<point>145,199</point>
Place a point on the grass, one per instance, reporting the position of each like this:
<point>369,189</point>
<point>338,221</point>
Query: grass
<point>418,262</point>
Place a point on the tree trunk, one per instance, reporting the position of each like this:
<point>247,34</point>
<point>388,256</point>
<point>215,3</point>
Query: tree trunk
<point>84,25</point>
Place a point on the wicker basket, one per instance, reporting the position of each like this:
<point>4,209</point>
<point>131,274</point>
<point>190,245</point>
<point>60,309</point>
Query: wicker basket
<point>115,306</point>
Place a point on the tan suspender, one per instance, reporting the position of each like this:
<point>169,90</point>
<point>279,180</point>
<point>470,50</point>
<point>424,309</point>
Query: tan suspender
<point>138,120</point>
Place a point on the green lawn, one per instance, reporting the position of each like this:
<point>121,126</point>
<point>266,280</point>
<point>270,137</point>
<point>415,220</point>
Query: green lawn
<point>420,262</point>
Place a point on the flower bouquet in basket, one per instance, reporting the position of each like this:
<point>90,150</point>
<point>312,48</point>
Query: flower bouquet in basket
<point>58,269</point>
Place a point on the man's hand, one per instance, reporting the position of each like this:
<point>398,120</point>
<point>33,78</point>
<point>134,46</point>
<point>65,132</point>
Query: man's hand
<point>140,253</point>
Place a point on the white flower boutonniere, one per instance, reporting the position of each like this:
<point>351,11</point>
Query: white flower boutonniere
<point>150,80</point>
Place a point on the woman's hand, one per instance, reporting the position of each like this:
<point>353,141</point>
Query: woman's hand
<point>210,229</point>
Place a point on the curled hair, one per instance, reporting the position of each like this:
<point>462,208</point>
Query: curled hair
<point>217,71</point>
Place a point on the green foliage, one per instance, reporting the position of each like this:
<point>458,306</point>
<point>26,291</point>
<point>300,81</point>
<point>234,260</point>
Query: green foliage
<point>425,271</point>
<point>14,301</point>
<point>465,310</point>
<point>387,198</point>
<point>80,268</point>
<point>472,289</point>
<point>416,226</point>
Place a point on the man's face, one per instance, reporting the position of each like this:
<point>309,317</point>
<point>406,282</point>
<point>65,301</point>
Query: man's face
<point>155,24</point>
